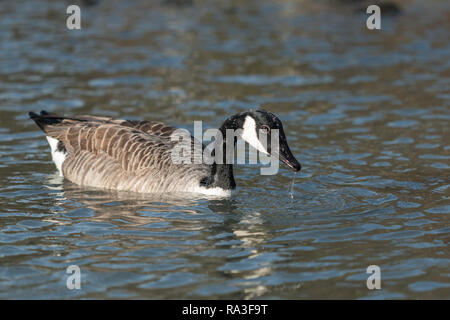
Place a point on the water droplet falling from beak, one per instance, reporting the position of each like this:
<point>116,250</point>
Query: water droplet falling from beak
<point>291,192</point>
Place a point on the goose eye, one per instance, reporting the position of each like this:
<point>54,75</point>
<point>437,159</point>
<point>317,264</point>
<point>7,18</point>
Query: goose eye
<point>265,129</point>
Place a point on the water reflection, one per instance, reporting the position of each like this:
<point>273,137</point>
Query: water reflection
<point>106,219</point>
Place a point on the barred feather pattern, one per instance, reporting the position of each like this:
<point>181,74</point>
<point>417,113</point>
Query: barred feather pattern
<point>123,155</point>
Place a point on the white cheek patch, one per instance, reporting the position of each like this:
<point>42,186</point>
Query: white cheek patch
<point>58,157</point>
<point>250,136</point>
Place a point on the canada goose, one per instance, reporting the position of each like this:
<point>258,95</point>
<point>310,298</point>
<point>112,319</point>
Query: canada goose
<point>136,155</point>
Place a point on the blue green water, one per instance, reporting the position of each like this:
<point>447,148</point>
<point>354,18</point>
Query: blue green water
<point>365,112</point>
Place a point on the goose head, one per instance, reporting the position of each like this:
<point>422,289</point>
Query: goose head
<point>258,126</point>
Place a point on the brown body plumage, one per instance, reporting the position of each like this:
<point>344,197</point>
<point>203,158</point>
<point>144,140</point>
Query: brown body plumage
<point>120,154</point>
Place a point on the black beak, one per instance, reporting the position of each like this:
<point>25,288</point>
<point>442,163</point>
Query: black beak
<point>291,162</point>
<point>286,155</point>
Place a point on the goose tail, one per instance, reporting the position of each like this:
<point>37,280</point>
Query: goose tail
<point>45,119</point>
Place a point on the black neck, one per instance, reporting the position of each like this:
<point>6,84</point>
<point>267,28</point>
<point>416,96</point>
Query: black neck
<point>221,175</point>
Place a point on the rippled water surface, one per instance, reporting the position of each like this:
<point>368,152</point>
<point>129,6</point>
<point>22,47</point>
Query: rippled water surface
<point>365,112</point>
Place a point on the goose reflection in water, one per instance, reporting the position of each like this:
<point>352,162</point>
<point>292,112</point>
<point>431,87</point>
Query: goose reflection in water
<point>138,222</point>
